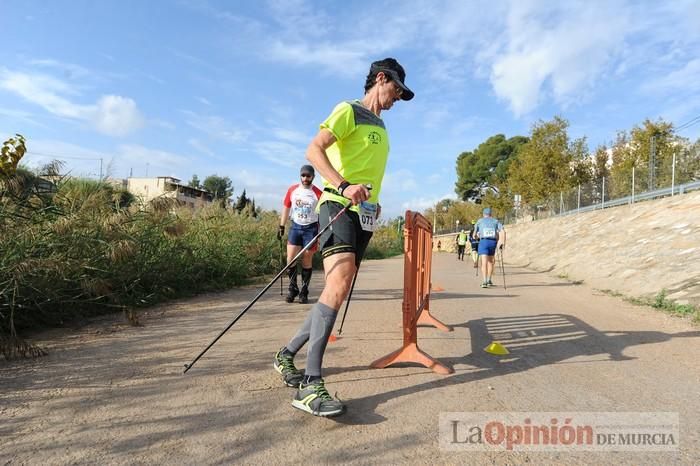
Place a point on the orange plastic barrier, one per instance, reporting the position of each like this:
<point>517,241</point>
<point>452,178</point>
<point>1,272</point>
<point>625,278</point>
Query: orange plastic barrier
<point>418,238</point>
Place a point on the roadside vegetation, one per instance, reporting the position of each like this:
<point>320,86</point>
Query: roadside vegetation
<point>73,248</point>
<point>662,303</point>
<point>540,173</point>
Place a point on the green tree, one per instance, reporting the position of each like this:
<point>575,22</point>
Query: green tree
<point>591,193</point>
<point>548,163</point>
<point>194,182</point>
<point>243,202</point>
<point>485,167</point>
<point>449,211</point>
<point>220,187</point>
<point>688,163</point>
<point>633,151</point>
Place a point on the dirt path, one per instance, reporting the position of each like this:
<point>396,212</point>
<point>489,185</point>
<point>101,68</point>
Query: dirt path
<point>113,394</point>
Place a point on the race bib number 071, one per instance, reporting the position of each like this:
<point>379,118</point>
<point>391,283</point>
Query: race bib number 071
<point>368,216</point>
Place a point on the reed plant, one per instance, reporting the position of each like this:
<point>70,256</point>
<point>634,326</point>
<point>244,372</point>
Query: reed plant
<point>85,247</point>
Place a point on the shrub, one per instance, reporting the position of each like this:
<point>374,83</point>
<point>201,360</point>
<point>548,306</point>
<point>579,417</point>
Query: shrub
<point>87,249</point>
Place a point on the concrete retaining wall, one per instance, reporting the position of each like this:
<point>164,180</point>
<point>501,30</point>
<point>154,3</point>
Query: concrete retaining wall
<point>637,250</point>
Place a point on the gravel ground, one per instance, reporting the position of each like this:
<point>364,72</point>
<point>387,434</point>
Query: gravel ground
<point>114,394</point>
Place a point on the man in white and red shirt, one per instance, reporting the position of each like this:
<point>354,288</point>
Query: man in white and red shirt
<point>301,200</point>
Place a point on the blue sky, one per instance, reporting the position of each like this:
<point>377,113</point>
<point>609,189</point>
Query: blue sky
<point>237,88</point>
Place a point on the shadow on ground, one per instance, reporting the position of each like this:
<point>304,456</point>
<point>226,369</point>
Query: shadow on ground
<point>533,341</point>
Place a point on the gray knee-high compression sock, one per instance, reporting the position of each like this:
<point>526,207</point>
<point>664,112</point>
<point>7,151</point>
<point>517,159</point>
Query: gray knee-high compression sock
<point>302,335</point>
<point>323,318</point>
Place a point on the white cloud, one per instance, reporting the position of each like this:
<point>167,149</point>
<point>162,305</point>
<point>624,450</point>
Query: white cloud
<point>305,35</point>
<point>531,52</point>
<point>203,100</point>
<point>84,161</point>
<point>192,59</point>
<point>20,115</point>
<point>117,116</point>
<point>216,127</point>
<point>69,70</point>
<point>157,162</point>
<point>264,185</point>
<point>421,203</point>
<point>77,160</point>
<point>300,18</point>
<point>162,124</point>
<point>153,78</point>
<point>565,49</point>
<point>200,147</point>
<point>292,136</point>
<point>685,79</point>
<point>400,181</point>
<point>44,91</point>
<point>111,114</point>
<point>328,57</point>
<point>281,153</point>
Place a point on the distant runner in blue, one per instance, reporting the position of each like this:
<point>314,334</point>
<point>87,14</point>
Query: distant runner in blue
<point>491,235</point>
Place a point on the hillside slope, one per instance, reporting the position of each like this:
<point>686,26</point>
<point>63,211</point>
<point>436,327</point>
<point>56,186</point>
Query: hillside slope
<point>637,250</point>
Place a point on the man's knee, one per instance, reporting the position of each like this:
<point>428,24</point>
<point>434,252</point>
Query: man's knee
<point>307,259</point>
<point>339,268</point>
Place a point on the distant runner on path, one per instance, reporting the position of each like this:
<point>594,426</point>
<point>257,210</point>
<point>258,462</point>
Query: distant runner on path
<point>461,244</point>
<point>301,199</point>
<point>490,234</point>
<point>474,243</point>
<point>350,151</point>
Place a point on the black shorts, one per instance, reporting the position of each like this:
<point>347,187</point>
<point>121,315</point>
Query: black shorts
<point>346,233</point>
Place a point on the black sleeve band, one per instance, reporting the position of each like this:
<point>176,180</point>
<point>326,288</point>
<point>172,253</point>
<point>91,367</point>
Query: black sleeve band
<point>342,186</point>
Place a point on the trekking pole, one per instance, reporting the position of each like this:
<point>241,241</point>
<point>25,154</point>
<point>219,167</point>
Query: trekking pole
<point>503,270</point>
<point>347,303</point>
<point>476,269</point>
<point>281,262</point>
<point>267,287</point>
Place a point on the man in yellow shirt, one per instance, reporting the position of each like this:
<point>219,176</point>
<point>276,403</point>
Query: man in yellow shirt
<point>350,151</point>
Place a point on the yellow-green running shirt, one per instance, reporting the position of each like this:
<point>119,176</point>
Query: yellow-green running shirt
<point>360,151</point>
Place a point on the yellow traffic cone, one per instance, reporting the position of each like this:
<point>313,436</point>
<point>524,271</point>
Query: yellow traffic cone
<point>497,349</point>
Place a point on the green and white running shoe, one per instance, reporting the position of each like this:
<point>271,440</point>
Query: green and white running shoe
<point>489,283</point>
<point>484,285</point>
<point>284,364</point>
<point>315,399</point>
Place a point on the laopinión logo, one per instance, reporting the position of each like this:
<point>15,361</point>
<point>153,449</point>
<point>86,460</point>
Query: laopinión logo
<point>547,431</point>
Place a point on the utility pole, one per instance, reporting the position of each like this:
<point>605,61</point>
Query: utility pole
<point>652,163</point>
<point>673,173</point>
<point>561,202</point>
<point>578,202</point>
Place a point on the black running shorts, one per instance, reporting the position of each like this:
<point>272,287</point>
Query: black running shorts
<point>345,235</point>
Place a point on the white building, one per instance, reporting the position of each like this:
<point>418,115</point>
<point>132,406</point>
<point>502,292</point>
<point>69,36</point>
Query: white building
<point>166,186</point>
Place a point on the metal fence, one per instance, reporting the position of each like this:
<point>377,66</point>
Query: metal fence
<point>609,191</point>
